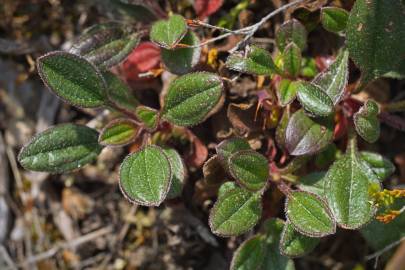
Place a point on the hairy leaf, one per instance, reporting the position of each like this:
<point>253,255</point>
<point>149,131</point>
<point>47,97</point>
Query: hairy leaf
<point>376,37</point>
<point>60,149</point>
<point>313,182</point>
<point>226,188</point>
<point>326,157</point>
<point>250,254</point>
<point>148,116</point>
<point>230,146</point>
<point>347,185</point>
<point>139,10</point>
<point>295,244</point>
<point>250,169</point>
<point>119,132</point>
<point>291,31</point>
<point>292,59</point>
<point>168,33</point>
<point>192,98</point>
<point>333,80</point>
<point>182,60</point>
<point>381,166</point>
<point>306,135</point>
<point>295,164</point>
<point>258,61</point>
<point>282,127</point>
<point>179,173</point>
<point>273,259</point>
<point>334,19</point>
<point>106,45</point>
<point>72,78</point>
<point>235,212</point>
<point>309,214</point>
<point>287,91</point>
<point>314,100</point>
<point>145,176</point>
<point>119,93</point>
<point>366,121</point>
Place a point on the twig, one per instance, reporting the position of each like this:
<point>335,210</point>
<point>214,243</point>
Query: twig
<point>71,244</point>
<point>7,258</point>
<point>381,251</point>
<point>248,31</point>
<point>207,25</point>
<point>398,106</point>
<point>257,25</point>
<point>117,240</point>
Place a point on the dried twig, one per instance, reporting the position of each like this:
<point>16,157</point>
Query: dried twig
<point>248,31</point>
<point>6,258</point>
<point>385,249</point>
<point>68,245</point>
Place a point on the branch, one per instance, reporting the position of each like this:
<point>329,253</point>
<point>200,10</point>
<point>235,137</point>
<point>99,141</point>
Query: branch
<point>71,244</point>
<point>381,251</point>
<point>248,31</point>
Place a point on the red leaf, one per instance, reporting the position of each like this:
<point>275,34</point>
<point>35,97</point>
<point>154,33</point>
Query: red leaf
<point>142,59</point>
<point>341,126</point>
<point>205,8</point>
<point>199,153</point>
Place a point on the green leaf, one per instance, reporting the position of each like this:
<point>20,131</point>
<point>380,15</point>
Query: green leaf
<point>291,31</point>
<point>326,157</point>
<point>250,169</point>
<point>273,259</point>
<point>145,176</point>
<point>250,254</point>
<point>306,135</point>
<point>282,127</point>
<point>119,93</point>
<point>227,187</point>
<point>230,146</point>
<point>119,132</point>
<point>258,61</point>
<point>60,149</point>
<point>294,165</point>
<point>309,68</point>
<point>167,34</point>
<point>314,100</point>
<point>309,214</point>
<point>295,244</point>
<point>134,10</point>
<point>347,185</point>
<point>333,80</point>
<point>287,91</point>
<point>292,59</point>
<point>235,212</point>
<point>73,79</point>
<point>379,235</point>
<point>179,173</point>
<point>366,121</point>
<point>192,98</point>
<point>382,167</point>
<point>182,60</point>
<point>313,182</point>
<point>148,116</point>
<point>334,19</point>
<point>106,45</point>
<point>376,37</point>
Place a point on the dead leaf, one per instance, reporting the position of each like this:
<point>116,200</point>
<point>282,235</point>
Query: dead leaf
<point>242,118</point>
